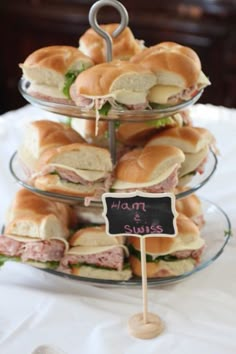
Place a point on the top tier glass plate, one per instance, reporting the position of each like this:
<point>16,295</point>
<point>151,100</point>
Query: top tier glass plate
<point>124,115</point>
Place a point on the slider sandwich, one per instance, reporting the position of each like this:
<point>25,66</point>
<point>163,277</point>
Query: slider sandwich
<point>42,135</point>
<point>191,207</point>
<point>193,141</point>
<point>124,46</point>
<point>116,84</point>
<point>137,134</point>
<point>51,71</point>
<point>36,231</point>
<point>87,129</point>
<point>169,256</point>
<point>94,254</point>
<point>81,170</point>
<point>151,169</point>
<point>178,73</point>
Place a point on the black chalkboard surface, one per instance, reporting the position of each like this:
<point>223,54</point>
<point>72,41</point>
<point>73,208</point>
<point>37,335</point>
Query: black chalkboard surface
<point>140,214</point>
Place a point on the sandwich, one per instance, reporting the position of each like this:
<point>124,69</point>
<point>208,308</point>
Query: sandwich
<point>124,46</point>
<point>94,254</point>
<point>87,129</point>
<point>51,71</point>
<point>169,256</point>
<point>151,169</point>
<point>36,231</point>
<point>138,133</point>
<point>116,84</point>
<point>81,170</point>
<point>42,135</point>
<point>178,73</point>
<point>190,206</point>
<point>193,141</point>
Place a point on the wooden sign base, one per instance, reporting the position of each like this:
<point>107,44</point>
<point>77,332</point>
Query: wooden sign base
<point>139,329</point>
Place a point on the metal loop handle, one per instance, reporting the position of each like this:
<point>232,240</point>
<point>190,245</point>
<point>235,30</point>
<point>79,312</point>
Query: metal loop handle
<point>94,24</point>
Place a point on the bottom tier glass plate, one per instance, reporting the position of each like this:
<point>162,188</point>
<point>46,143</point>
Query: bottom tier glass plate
<point>216,232</point>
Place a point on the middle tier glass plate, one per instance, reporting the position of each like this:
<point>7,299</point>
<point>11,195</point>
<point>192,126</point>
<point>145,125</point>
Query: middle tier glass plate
<point>21,177</point>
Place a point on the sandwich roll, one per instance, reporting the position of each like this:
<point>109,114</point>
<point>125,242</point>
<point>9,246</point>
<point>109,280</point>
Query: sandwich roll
<point>77,169</point>
<point>151,169</point>
<point>94,236</point>
<point>36,231</point>
<point>167,256</point>
<point>42,135</point>
<point>51,70</point>
<point>137,134</point>
<point>191,207</point>
<point>193,141</point>
<point>101,262</point>
<point>124,45</point>
<point>177,69</point>
<point>122,84</point>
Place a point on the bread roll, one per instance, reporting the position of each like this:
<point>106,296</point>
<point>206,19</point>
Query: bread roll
<point>146,167</point>
<point>47,67</point>
<point>32,216</point>
<point>125,82</point>
<point>42,135</point>
<point>124,45</point>
<point>188,240</point>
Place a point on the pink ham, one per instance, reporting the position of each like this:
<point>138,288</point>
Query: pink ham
<point>113,259</point>
<point>10,247</point>
<point>43,251</point>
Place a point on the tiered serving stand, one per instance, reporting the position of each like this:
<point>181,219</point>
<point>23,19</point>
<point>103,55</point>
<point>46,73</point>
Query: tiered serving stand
<point>215,234</point>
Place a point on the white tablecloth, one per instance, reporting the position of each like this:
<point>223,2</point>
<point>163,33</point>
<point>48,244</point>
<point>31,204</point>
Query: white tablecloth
<point>199,313</point>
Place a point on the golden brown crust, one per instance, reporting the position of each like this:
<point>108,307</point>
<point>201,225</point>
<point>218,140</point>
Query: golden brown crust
<point>189,139</point>
<point>124,46</point>
<point>134,133</point>
<point>27,203</point>
<point>50,154</point>
<point>98,80</point>
<point>139,165</point>
<point>58,58</point>
<point>187,232</point>
<point>190,206</point>
<point>171,57</point>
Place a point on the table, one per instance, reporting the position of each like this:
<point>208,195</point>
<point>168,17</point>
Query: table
<point>199,313</point>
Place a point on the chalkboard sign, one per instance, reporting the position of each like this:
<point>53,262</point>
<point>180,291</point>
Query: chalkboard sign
<point>140,214</point>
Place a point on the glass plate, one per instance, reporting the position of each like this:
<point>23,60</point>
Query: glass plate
<point>19,174</point>
<point>216,235</point>
<point>127,115</point>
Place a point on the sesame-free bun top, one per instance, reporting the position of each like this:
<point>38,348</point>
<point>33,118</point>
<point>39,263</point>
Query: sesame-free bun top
<point>106,78</point>
<point>173,64</point>
<point>147,164</point>
<point>94,236</point>
<point>78,156</point>
<point>123,46</point>
<point>187,233</point>
<point>42,135</point>
<point>188,139</point>
<point>190,206</point>
<point>48,65</point>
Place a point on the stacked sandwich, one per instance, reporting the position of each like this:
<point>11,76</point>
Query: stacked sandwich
<point>195,143</point>
<point>167,256</point>
<point>42,135</point>
<point>51,71</point>
<point>36,231</point>
<point>57,159</point>
<point>94,254</point>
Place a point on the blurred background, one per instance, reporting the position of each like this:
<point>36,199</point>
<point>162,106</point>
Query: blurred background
<point>209,27</point>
